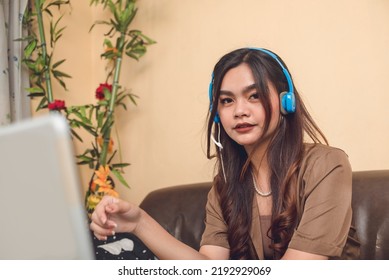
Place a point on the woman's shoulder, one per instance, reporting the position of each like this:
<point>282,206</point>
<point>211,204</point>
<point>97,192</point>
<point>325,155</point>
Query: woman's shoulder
<point>319,158</point>
<point>324,170</point>
<point>316,151</point>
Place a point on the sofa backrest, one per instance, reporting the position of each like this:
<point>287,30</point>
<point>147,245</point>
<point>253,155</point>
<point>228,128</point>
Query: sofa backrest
<point>370,205</point>
<point>181,211</point>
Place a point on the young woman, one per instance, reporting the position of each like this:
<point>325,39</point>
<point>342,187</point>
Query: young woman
<point>274,195</point>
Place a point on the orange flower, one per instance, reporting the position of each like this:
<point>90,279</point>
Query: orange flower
<point>100,142</point>
<point>100,187</point>
<point>102,177</point>
<point>92,187</point>
<point>105,190</point>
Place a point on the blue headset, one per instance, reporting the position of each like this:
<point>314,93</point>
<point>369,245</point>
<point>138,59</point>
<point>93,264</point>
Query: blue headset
<point>287,98</point>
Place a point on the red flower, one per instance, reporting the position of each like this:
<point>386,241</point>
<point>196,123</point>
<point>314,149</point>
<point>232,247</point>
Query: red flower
<point>100,90</point>
<point>56,105</point>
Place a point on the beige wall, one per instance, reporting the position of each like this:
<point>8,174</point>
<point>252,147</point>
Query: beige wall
<point>337,51</point>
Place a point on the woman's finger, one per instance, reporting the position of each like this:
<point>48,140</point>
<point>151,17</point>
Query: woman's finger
<point>102,231</point>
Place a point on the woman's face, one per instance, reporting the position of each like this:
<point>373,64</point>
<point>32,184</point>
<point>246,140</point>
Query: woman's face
<point>241,111</point>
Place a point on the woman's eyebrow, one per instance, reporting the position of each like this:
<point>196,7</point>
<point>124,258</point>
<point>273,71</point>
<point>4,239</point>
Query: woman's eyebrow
<point>245,90</point>
<point>249,88</point>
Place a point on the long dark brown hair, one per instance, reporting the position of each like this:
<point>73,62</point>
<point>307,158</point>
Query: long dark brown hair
<point>234,185</point>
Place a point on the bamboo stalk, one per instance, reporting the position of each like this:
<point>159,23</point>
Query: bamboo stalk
<point>115,87</point>
<point>42,38</point>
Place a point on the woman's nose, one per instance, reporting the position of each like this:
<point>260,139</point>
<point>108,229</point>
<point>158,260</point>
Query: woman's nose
<point>241,109</point>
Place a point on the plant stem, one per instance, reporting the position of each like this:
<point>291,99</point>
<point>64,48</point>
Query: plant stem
<point>111,108</point>
<point>42,38</point>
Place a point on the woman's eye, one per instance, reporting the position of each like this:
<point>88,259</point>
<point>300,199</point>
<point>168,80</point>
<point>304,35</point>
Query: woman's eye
<point>254,96</point>
<point>225,100</point>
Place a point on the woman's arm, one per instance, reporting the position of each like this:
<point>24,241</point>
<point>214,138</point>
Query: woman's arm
<point>292,254</point>
<point>215,252</point>
<point>114,215</point>
<point>162,243</point>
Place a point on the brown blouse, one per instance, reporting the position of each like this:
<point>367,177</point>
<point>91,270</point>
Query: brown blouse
<point>324,200</point>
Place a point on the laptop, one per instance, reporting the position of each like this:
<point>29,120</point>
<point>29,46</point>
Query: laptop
<point>42,215</point>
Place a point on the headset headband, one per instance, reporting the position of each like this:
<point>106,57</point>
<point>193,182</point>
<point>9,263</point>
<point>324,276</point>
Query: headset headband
<point>286,73</point>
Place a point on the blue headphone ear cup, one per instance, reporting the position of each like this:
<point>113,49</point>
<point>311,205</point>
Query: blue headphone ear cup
<point>210,89</point>
<point>216,119</point>
<point>287,102</point>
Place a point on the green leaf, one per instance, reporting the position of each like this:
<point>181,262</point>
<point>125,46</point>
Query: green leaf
<point>88,129</point>
<point>107,94</point>
<point>61,82</point>
<point>31,46</point>
<point>82,119</point>
<point>34,90</point>
<point>108,43</point>
<point>111,32</point>
<point>57,74</point>
<point>55,65</point>
<point>31,64</point>
<point>130,54</point>
<point>32,95</point>
<point>100,119</point>
<point>83,162</point>
<point>76,135</point>
<point>149,41</point>
<point>132,97</point>
<point>85,158</point>
<point>120,177</point>
<point>103,103</point>
<point>48,11</point>
<point>120,165</point>
<point>42,104</point>
<point>129,16</point>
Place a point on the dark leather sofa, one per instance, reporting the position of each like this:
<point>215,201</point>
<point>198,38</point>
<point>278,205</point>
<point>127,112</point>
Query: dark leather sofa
<point>181,211</point>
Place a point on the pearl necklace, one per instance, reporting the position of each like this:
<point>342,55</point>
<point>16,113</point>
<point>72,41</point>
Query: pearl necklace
<point>266,194</point>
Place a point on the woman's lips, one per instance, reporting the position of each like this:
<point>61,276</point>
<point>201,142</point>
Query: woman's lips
<point>244,127</point>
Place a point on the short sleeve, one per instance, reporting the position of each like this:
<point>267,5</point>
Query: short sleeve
<point>215,232</point>
<point>326,188</point>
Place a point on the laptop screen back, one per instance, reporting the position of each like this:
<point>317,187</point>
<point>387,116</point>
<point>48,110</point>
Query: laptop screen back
<point>41,201</point>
